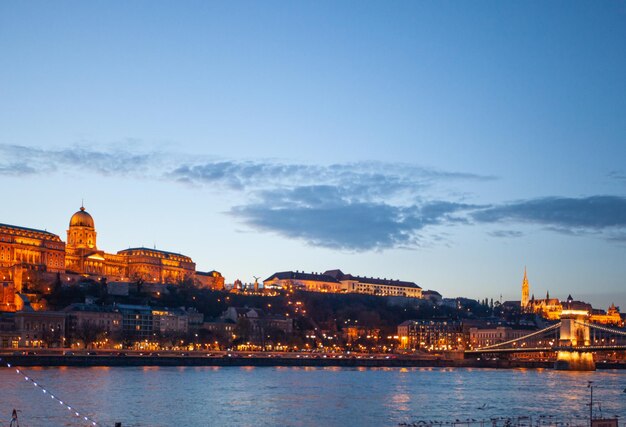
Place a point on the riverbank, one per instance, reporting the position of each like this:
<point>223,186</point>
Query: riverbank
<point>253,360</point>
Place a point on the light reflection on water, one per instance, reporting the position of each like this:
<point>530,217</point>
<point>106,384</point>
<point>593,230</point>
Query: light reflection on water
<point>307,396</point>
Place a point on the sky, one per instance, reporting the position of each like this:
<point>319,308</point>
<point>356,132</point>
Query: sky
<point>451,144</point>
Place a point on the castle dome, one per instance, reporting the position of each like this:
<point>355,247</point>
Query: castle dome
<point>82,219</point>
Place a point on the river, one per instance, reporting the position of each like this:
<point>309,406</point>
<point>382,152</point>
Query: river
<point>281,396</point>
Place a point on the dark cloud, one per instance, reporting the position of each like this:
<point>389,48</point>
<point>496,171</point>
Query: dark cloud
<point>561,213</point>
<point>325,216</point>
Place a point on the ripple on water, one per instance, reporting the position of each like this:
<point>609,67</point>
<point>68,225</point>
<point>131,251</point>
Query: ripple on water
<point>301,397</point>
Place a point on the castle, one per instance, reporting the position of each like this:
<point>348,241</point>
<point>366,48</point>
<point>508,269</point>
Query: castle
<point>26,252</point>
<point>551,308</point>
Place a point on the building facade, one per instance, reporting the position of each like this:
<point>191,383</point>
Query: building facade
<point>431,335</point>
<point>88,323</point>
<point>149,265</point>
<point>376,286</point>
<point>335,281</point>
<point>25,250</point>
<point>210,279</point>
<point>491,336</point>
<point>40,328</point>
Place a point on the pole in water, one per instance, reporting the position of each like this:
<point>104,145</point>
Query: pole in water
<point>118,424</point>
<point>590,386</point>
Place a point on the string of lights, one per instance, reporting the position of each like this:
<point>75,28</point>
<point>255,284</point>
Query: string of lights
<point>602,328</point>
<point>45,391</point>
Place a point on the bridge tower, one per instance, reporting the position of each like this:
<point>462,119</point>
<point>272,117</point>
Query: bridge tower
<point>574,334</point>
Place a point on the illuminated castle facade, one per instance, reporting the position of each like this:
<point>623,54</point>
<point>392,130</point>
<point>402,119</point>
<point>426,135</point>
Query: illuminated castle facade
<point>82,256</point>
<point>24,250</point>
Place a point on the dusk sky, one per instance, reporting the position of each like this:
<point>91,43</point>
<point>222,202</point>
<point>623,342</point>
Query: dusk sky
<point>446,143</point>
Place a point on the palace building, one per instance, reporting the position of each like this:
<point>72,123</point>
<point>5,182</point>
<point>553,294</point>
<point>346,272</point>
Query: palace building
<point>335,281</point>
<point>23,250</point>
<point>150,265</point>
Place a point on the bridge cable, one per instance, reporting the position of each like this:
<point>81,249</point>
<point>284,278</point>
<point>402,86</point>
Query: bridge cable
<point>549,328</point>
<point>602,328</point>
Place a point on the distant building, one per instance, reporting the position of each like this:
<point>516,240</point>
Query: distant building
<point>299,280</point>
<point>24,250</point>
<point>87,322</point>
<point>431,335</point>
<point>490,336</point>
<point>335,281</point>
<point>31,249</point>
<point>9,337</point>
<point>40,328</point>
<point>432,296</point>
<point>211,279</point>
<point>166,321</point>
<point>610,317</point>
<point>137,321</point>
<point>261,324</point>
<point>551,308</point>
<point>376,286</point>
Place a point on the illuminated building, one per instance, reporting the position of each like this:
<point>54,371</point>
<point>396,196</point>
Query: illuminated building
<point>549,308</point>
<point>30,248</point>
<point>335,281</point>
<point>149,265</point>
<point>611,317</point>
<point>167,321</point>
<point>299,280</point>
<point>552,308</point>
<point>88,323</point>
<point>24,250</point>
<point>431,335</point>
<point>211,279</point>
<point>9,337</point>
<point>376,286</point>
<point>137,322</point>
<point>261,324</point>
<point>40,328</point>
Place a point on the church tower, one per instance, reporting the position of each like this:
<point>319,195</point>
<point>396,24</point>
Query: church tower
<point>525,291</point>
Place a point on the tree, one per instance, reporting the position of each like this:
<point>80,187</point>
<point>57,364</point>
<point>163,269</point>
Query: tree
<point>51,337</point>
<point>243,330</point>
<point>88,333</point>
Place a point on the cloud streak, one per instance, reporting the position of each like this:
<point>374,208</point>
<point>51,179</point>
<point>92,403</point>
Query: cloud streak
<point>355,206</point>
<point>18,160</point>
<point>587,213</point>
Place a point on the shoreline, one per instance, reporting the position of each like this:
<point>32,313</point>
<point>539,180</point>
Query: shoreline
<point>132,360</point>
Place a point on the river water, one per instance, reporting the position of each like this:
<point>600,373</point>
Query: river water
<point>275,396</point>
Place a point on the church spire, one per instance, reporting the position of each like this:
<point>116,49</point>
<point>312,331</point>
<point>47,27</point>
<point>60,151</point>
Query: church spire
<point>525,290</point>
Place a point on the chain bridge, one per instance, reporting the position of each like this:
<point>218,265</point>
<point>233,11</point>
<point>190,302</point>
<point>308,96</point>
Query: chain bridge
<point>574,340</point>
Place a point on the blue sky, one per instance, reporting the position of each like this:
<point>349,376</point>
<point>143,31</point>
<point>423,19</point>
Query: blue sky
<point>446,143</point>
